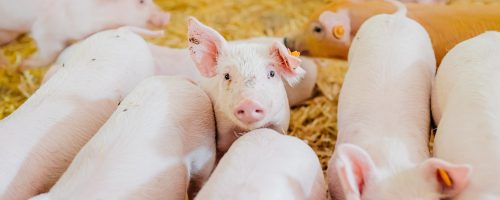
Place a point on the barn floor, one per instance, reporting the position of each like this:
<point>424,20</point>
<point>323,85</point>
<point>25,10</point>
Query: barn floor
<point>314,122</point>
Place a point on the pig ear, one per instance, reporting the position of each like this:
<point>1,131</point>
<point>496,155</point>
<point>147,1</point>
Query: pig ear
<point>451,177</point>
<point>338,24</point>
<point>354,166</point>
<point>286,64</point>
<point>205,45</point>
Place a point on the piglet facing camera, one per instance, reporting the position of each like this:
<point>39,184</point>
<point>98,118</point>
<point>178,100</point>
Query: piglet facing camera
<point>244,81</point>
<point>264,164</point>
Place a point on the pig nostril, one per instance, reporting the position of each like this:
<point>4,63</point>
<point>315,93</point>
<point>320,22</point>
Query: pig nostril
<point>259,111</point>
<point>240,112</point>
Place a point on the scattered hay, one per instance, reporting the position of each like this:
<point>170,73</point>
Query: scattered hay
<point>314,122</point>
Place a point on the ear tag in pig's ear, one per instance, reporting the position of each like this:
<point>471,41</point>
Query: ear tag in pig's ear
<point>294,53</point>
<point>444,177</point>
<point>338,31</point>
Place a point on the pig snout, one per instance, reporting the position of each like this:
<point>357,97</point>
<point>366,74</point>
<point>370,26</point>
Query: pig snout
<point>249,111</point>
<point>159,19</point>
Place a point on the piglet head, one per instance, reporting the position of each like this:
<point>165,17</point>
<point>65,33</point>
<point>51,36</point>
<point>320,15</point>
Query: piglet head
<point>328,34</point>
<point>434,179</point>
<point>247,78</point>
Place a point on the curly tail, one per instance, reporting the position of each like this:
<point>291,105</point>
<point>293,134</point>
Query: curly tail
<point>401,8</point>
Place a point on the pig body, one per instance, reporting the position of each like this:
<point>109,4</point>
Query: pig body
<point>346,16</point>
<point>264,164</point>
<point>384,115</point>
<point>40,139</point>
<point>466,110</point>
<point>55,23</point>
<point>172,61</point>
<point>161,136</point>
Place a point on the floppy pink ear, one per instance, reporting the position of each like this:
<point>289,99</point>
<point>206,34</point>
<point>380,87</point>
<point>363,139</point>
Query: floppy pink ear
<point>338,24</point>
<point>205,45</point>
<point>354,166</point>
<point>451,177</point>
<point>287,65</point>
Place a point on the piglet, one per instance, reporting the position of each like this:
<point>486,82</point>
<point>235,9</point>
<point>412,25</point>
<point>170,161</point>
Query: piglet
<point>39,140</point>
<point>264,164</point>
<point>244,81</point>
<point>384,116</point>
<point>160,137</point>
<point>55,23</point>
<point>465,106</point>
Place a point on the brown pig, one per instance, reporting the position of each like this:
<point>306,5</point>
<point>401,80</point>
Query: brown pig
<point>331,30</point>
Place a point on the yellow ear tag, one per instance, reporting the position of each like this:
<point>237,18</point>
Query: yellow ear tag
<point>338,31</point>
<point>445,177</point>
<point>294,53</point>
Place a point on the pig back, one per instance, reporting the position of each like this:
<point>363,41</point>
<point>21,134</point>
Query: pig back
<point>466,67</point>
<point>465,101</point>
<point>146,147</point>
<point>268,166</point>
<point>391,70</point>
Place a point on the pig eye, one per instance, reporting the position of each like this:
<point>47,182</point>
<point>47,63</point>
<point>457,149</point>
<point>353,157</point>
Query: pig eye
<point>141,1</point>
<point>227,76</point>
<point>271,74</point>
<point>317,29</point>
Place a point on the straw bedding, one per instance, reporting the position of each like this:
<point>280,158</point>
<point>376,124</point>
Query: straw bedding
<point>314,122</point>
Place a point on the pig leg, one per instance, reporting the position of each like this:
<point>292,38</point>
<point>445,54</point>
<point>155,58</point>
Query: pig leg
<point>7,36</point>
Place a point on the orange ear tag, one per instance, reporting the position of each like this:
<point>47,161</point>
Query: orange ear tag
<point>294,53</point>
<point>338,31</point>
<point>445,177</point>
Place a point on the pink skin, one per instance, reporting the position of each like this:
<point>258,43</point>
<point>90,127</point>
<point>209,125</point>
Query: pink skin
<point>465,108</point>
<point>235,73</point>
<point>66,21</point>
<point>249,111</point>
<point>158,144</point>
<point>383,117</point>
<point>264,164</point>
<point>56,121</point>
